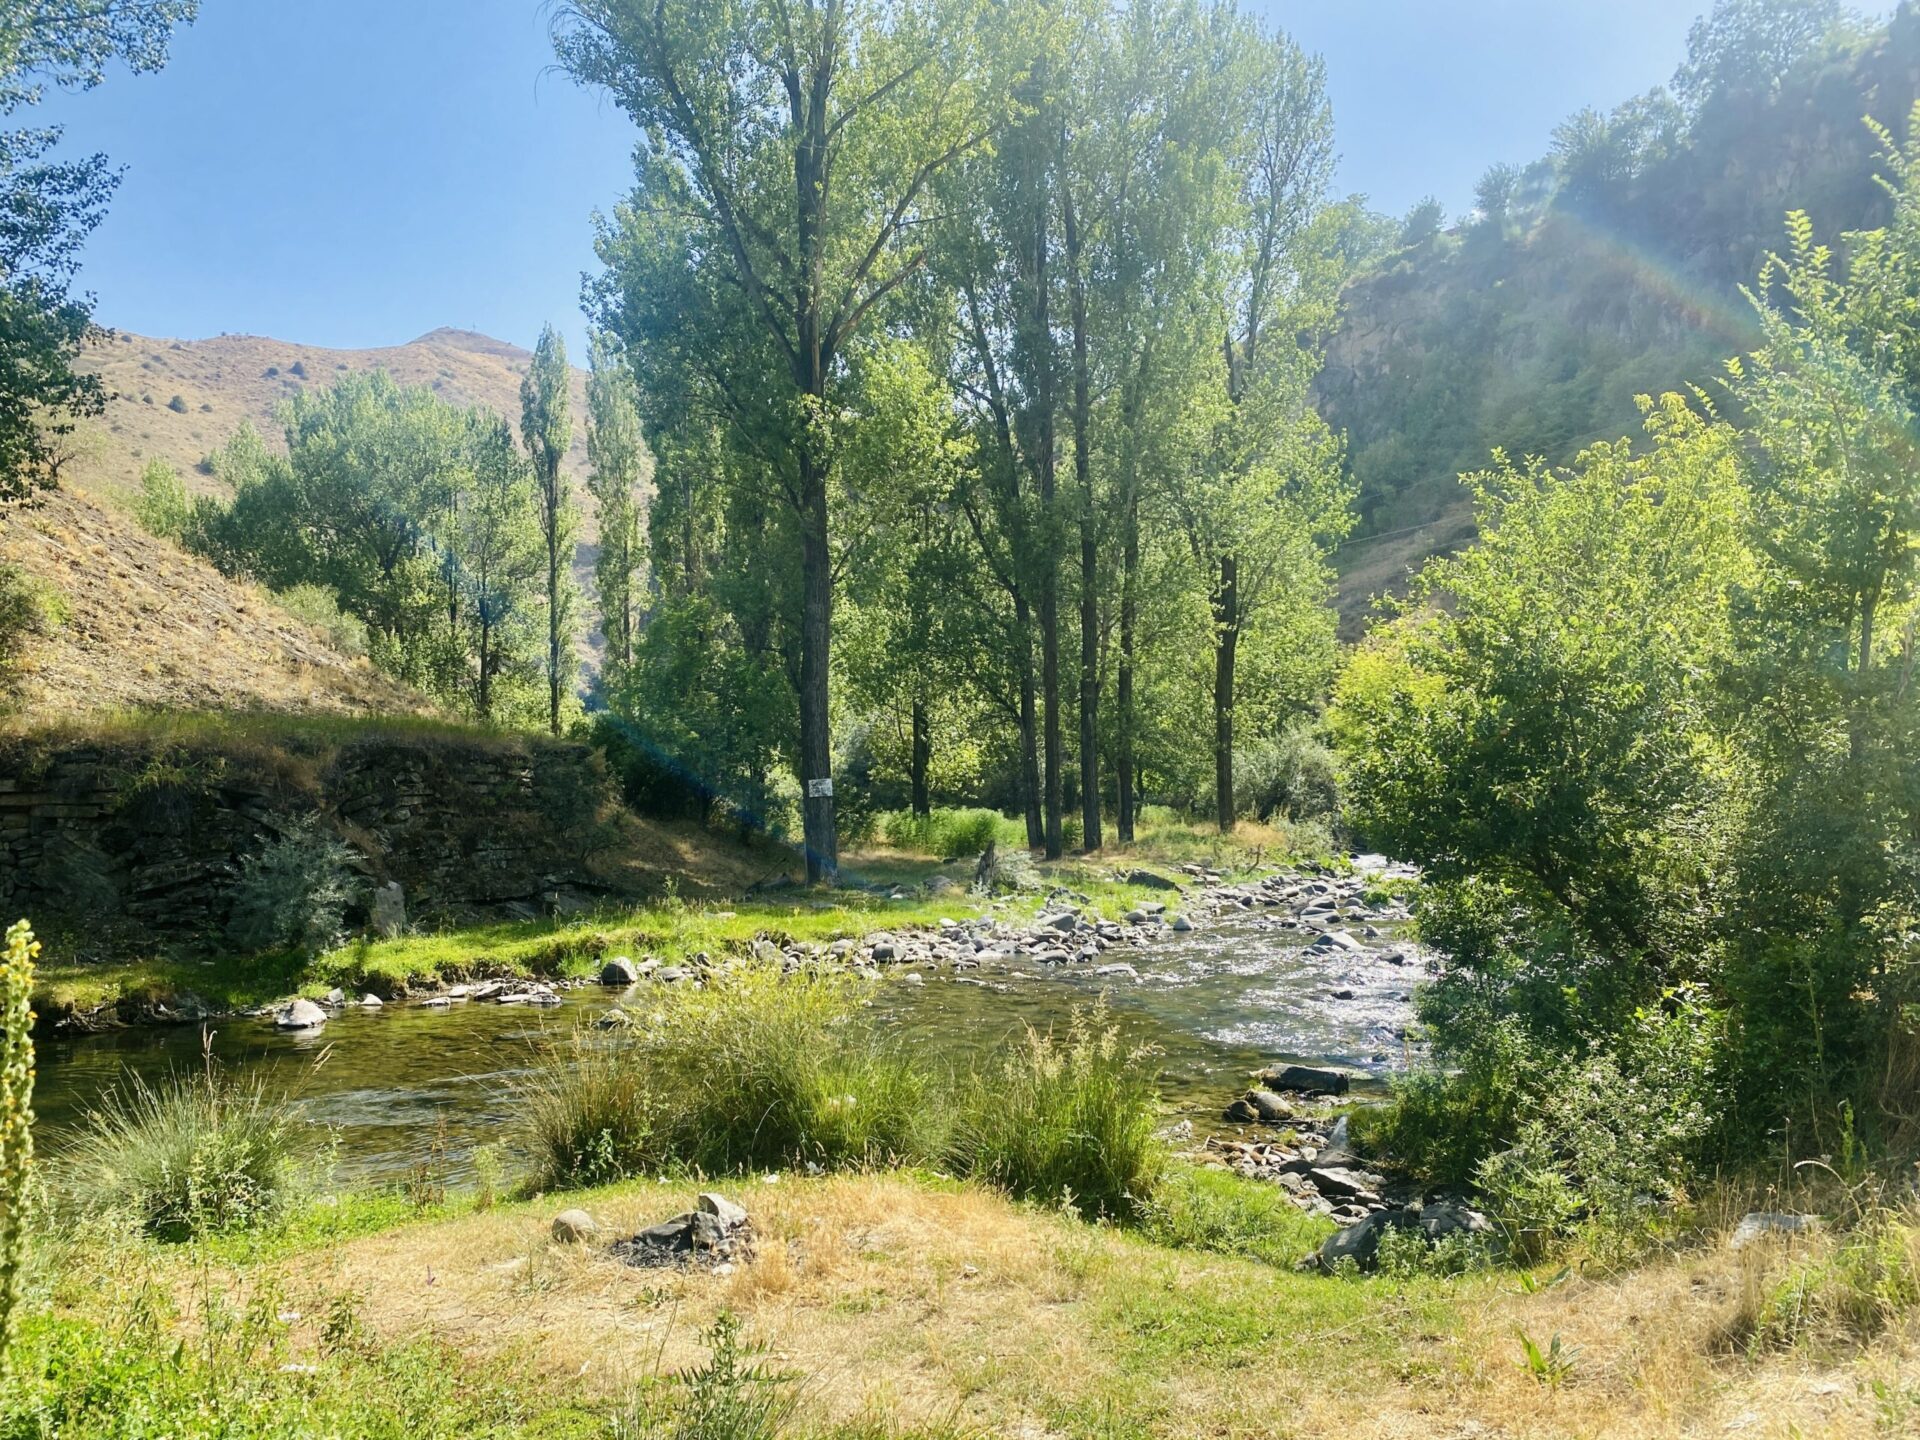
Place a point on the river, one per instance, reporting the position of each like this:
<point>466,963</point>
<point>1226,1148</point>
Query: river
<point>1237,992</point>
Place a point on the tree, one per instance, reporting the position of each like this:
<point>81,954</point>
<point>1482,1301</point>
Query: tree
<point>1744,45</point>
<point>47,210</point>
<point>547,429</point>
<point>788,148</point>
<point>621,470</point>
<point>495,562</point>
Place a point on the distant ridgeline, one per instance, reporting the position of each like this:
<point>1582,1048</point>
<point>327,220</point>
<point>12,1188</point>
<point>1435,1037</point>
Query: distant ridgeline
<point>1610,268</point>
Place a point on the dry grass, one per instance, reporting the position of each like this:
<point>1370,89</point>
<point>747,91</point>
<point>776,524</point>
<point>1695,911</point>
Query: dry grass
<point>143,624</point>
<point>931,1304</point>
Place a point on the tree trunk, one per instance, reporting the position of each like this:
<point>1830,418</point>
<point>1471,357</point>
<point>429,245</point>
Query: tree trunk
<point>1089,541</point>
<point>922,759</point>
<point>816,622</point>
<point>1123,687</point>
<point>1226,621</point>
<point>1029,740</point>
<point>1049,551</point>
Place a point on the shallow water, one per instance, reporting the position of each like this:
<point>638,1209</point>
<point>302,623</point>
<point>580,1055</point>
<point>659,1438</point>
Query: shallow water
<point>1216,1003</point>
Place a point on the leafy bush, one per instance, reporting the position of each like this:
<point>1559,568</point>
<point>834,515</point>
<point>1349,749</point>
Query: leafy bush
<point>178,404</point>
<point>950,833</point>
<point>1070,1119</point>
<point>197,1155</point>
<point>754,1071</point>
<point>164,508</point>
<point>318,606</point>
<point>293,893</point>
<point>1290,775</point>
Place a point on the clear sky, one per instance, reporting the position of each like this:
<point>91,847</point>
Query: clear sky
<point>357,172</point>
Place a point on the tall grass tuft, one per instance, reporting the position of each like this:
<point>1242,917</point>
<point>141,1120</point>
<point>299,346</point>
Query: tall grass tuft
<point>1071,1119</point>
<point>199,1154</point>
<point>754,1071</point>
<point>950,833</point>
<point>16,1115</point>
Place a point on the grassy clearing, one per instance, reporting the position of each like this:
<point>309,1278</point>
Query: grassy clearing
<point>908,1304</point>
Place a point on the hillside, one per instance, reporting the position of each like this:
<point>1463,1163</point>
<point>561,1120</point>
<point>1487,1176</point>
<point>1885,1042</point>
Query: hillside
<point>221,382</point>
<point>1610,268</point>
<point>136,622</point>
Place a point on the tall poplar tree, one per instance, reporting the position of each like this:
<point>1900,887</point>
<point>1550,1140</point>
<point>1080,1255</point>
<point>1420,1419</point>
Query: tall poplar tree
<point>546,427</point>
<point>788,146</point>
<point>621,469</point>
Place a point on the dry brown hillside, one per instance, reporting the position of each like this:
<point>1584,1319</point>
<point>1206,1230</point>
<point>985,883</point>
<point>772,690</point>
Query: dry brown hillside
<point>179,400</point>
<point>138,622</point>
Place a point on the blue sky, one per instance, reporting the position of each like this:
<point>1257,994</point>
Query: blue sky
<point>357,172</point>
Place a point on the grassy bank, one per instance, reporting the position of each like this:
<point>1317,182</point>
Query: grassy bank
<point>907,1304</point>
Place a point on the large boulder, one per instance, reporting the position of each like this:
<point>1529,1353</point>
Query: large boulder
<point>1260,1107</point>
<point>389,911</point>
<point>1360,1241</point>
<point>301,1015</point>
<point>1308,1079</point>
<point>619,971</point>
<point>1148,880</point>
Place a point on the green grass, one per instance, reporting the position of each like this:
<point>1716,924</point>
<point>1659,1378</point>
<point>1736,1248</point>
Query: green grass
<point>1068,1119</point>
<point>753,1071</point>
<point>194,1155</point>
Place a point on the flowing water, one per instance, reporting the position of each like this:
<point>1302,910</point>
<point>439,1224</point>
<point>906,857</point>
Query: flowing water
<point>1216,1003</point>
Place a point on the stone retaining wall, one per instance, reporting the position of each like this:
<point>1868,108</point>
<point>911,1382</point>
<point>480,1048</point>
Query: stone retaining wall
<point>153,831</point>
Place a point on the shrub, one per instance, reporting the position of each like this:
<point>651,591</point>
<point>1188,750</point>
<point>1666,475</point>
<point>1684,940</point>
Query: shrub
<point>292,893</point>
<point>318,606</point>
<point>1071,1119</point>
<point>1291,774</point>
<point>197,1155</point>
<point>163,508</point>
<point>16,1114</point>
<point>178,404</point>
<point>950,833</point>
<point>755,1071</point>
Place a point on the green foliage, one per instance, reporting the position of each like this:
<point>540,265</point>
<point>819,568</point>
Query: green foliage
<point>950,834</point>
<point>1226,1214</point>
<point>1292,774</point>
<point>751,1071</point>
<point>53,206</point>
<point>16,1118</point>
<point>293,892</point>
<point>199,1154</point>
<point>27,610</point>
<point>547,428</point>
<point>421,520</point>
<point>163,508</point>
<point>735,1395</point>
<point>317,606</point>
<point>1846,1291</point>
<point>1067,1119</point>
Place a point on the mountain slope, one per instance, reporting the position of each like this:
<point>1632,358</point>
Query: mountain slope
<point>1609,269</point>
<point>179,400</point>
<point>137,622</point>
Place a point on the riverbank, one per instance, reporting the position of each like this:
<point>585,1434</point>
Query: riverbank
<point>887,892</point>
<point>905,1304</point>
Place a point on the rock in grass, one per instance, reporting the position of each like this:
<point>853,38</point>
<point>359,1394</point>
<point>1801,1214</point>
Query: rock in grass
<point>574,1227</point>
<point>1309,1079</point>
<point>730,1215</point>
<point>301,1015</point>
<point>620,970</point>
<point>1360,1242</point>
<point>1148,880</point>
<point>1761,1224</point>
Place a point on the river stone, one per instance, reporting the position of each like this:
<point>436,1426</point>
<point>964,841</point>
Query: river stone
<point>335,999</point>
<point>1117,972</point>
<point>620,970</point>
<point>730,1215</point>
<point>389,910</point>
<point>1360,1242</point>
<point>1442,1219</point>
<point>371,1002</point>
<point>1181,925</point>
<point>1337,940</point>
<point>301,1015</point>
<point>1259,1107</point>
<point>1149,880</point>
<point>1338,1183</point>
<point>1308,1078</point>
<point>574,1227</point>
